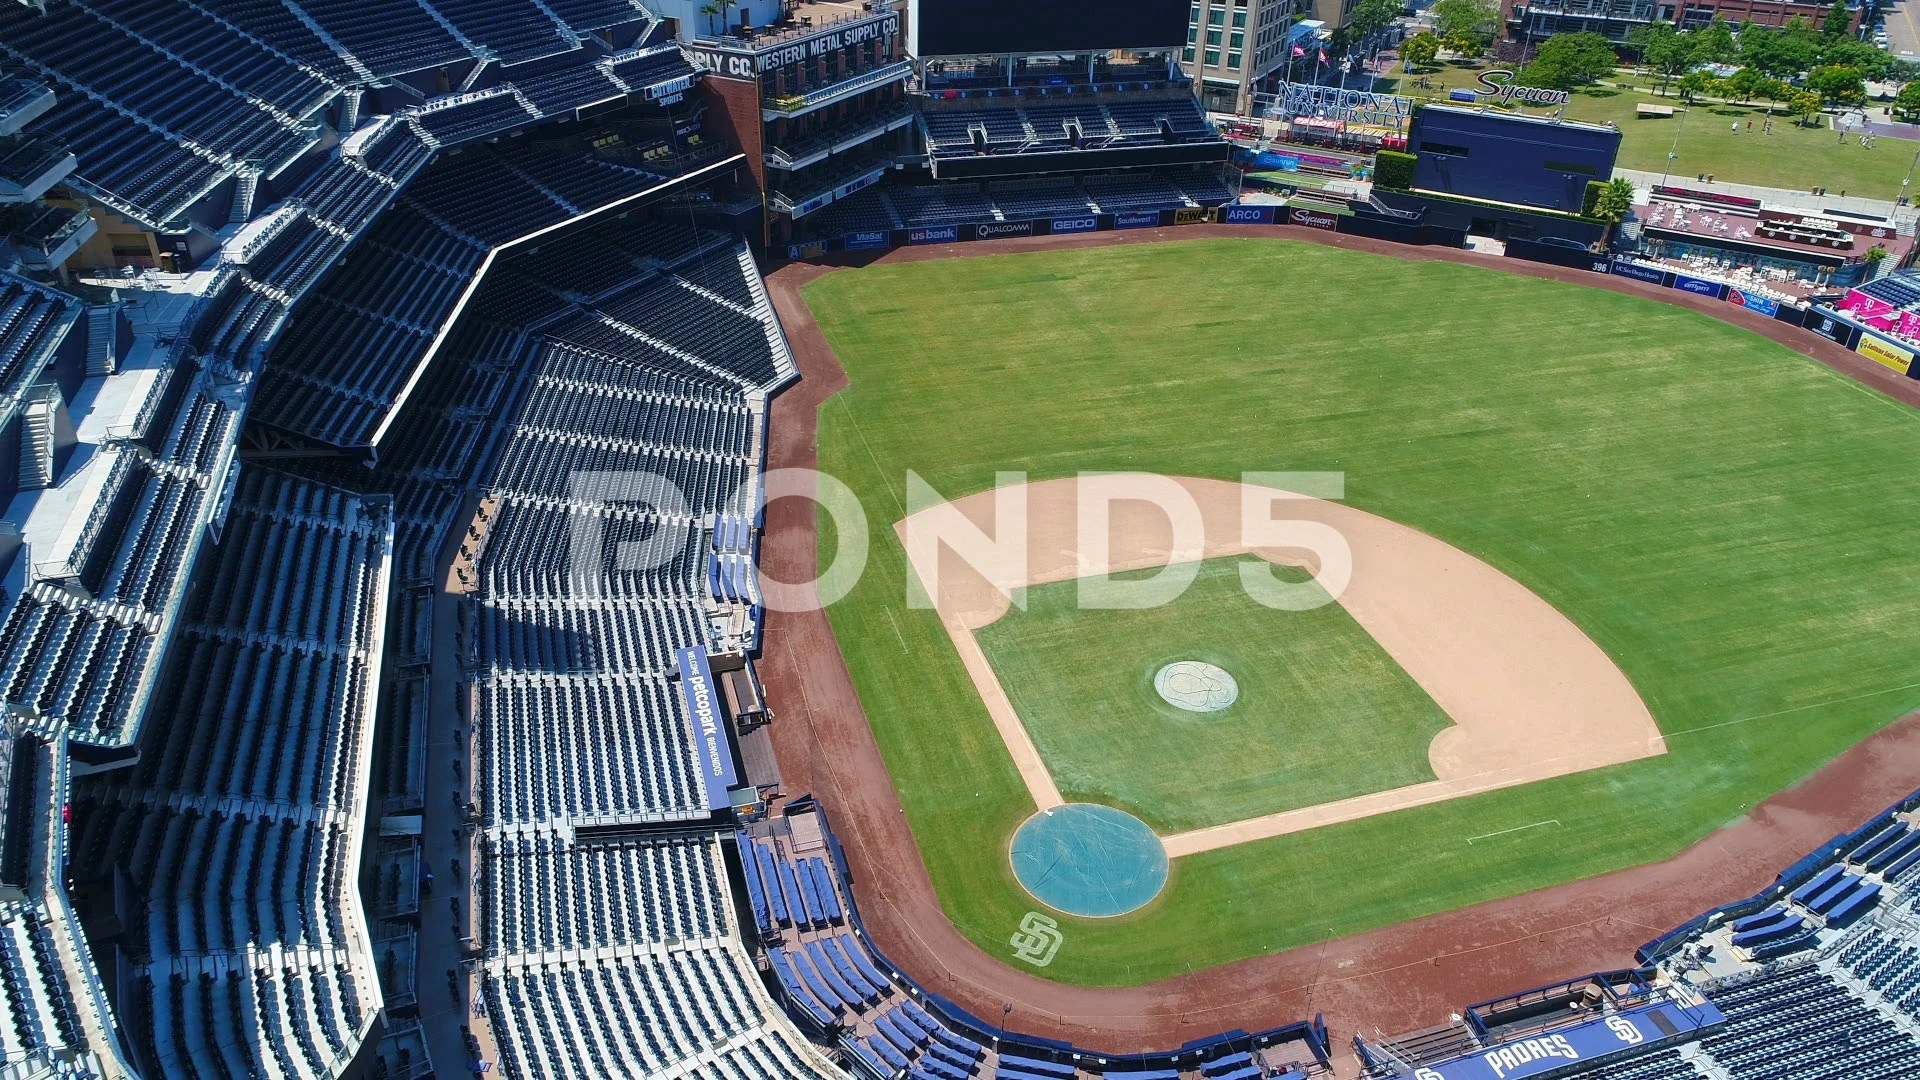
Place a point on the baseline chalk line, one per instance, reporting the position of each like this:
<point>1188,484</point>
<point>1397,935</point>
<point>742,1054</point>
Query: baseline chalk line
<point>1517,828</point>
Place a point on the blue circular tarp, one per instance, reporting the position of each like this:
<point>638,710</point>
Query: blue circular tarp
<point>1091,860</point>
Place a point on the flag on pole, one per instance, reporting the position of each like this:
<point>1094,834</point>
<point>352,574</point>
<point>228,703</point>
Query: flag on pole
<point>1298,51</point>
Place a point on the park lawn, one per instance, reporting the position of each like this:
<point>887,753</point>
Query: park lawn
<point>1728,520</point>
<point>1792,157</point>
<point>1323,712</point>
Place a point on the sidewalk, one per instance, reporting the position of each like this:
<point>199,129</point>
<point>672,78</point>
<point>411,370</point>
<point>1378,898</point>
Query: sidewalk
<point>1784,198</point>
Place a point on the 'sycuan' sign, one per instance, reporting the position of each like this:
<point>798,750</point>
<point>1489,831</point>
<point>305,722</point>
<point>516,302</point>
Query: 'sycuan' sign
<point>1313,219</point>
<point>1506,92</point>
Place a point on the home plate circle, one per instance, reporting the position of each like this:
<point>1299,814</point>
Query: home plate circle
<point>1196,686</point>
<point>1089,860</point>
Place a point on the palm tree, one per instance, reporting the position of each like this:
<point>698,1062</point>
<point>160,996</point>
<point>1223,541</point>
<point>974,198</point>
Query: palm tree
<point>1613,205</point>
<point>709,10</point>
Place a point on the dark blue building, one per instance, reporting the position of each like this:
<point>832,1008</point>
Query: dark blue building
<point>1510,158</point>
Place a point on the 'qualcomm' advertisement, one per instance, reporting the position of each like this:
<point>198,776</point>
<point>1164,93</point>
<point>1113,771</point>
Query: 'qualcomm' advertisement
<point>997,229</point>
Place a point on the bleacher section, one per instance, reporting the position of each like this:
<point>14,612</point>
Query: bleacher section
<point>162,101</point>
<point>1817,975</point>
<point>617,955</point>
<point>962,203</point>
<point>1027,123</point>
<point>348,355</point>
<point>34,324</point>
<point>53,1007</point>
<point>83,657</point>
<point>241,824</point>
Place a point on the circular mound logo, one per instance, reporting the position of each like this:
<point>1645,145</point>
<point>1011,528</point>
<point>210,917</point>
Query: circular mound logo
<point>1196,686</point>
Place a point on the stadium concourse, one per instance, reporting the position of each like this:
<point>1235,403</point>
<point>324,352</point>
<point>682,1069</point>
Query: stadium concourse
<point>312,693</point>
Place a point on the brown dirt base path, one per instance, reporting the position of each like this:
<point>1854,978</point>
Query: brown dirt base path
<point>1393,979</point>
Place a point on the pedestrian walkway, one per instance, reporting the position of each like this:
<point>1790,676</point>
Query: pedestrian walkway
<point>1783,198</point>
<point>448,985</point>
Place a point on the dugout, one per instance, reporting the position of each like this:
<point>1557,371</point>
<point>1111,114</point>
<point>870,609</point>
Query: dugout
<point>1503,157</point>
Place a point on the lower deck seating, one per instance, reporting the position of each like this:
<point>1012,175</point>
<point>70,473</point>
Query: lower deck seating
<point>240,826</point>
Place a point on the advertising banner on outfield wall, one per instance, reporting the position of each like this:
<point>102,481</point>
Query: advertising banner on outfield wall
<point>1085,223</point>
<point>1765,305</point>
<point>1308,218</point>
<point>1575,257</point>
<point>1897,357</point>
<point>994,230</point>
<point>1828,325</point>
<point>874,238</point>
<point>1190,215</point>
<point>1652,275</point>
<point>1246,215</point>
<point>1700,286</point>
<point>934,234</point>
<point>1592,1041</point>
<point>1136,219</point>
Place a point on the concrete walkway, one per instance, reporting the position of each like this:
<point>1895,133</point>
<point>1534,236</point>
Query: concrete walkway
<point>444,839</point>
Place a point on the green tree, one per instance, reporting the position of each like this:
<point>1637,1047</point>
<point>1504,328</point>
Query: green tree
<point>1476,19</point>
<point>1745,84</point>
<point>710,10</point>
<point>1463,44</point>
<point>1420,49</point>
<point>1664,49</point>
<point>1839,20</point>
<point>1565,61</point>
<point>1697,84</point>
<point>1615,202</point>
<point>1372,16</point>
<point>1908,103</point>
<point>1714,43</point>
<point>1838,85</point>
<point>1779,53</point>
<point>1805,105</point>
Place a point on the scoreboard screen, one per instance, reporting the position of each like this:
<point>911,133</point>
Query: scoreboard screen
<point>978,27</point>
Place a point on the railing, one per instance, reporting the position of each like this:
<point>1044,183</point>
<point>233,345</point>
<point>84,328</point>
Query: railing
<point>861,128</point>
<point>796,103</point>
<point>785,201</point>
<point>763,38</point>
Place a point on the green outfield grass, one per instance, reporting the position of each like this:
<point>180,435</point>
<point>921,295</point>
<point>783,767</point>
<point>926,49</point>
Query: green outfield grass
<point>1730,521</point>
<point>1323,713</point>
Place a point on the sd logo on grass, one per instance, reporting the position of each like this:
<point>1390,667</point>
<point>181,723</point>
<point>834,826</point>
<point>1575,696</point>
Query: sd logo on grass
<point>1037,941</point>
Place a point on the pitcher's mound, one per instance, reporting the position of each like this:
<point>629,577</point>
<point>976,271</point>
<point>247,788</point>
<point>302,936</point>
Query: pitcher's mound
<point>1091,860</point>
<point>1196,686</point>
